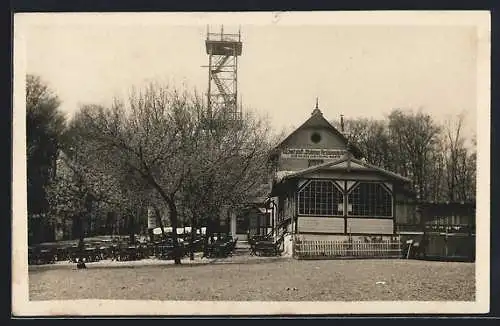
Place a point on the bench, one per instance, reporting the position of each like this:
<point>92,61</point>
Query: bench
<point>266,247</point>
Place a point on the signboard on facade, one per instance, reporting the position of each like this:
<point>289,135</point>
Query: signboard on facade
<point>321,224</point>
<point>312,153</point>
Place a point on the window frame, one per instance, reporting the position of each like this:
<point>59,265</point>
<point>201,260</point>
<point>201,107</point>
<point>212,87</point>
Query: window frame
<point>316,137</point>
<point>381,184</point>
<point>305,185</point>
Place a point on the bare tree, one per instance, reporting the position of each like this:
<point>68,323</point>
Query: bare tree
<point>372,139</point>
<point>436,168</point>
<point>414,136</point>
<point>229,163</point>
<point>162,139</point>
<point>149,137</point>
<point>412,144</point>
<point>460,163</point>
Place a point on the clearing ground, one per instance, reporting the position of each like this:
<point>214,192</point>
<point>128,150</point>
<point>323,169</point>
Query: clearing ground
<point>260,279</point>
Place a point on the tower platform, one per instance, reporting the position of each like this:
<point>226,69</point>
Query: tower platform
<point>229,48</point>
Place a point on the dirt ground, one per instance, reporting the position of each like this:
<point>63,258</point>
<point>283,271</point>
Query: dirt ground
<point>282,279</point>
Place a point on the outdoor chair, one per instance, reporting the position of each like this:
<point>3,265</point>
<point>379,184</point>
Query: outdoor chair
<point>196,245</point>
<point>141,251</point>
<point>266,247</point>
<point>34,256</point>
<point>62,253</point>
<point>218,250</point>
<point>222,248</point>
<point>165,252</point>
<point>233,245</point>
<point>73,254</point>
<point>120,254</point>
<point>229,246</point>
<point>38,256</point>
<point>45,256</point>
<point>90,254</point>
<point>127,253</point>
<point>169,252</point>
<point>105,252</point>
<point>114,252</point>
<point>164,249</point>
<point>253,240</point>
<point>149,250</point>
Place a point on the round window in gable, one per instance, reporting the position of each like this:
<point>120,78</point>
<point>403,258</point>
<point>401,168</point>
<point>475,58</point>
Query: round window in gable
<point>315,137</point>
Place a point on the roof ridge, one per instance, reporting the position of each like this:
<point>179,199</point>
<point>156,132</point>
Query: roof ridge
<point>344,158</point>
<point>377,168</point>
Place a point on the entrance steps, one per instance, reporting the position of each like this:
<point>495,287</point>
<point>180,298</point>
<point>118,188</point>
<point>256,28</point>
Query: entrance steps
<point>243,244</point>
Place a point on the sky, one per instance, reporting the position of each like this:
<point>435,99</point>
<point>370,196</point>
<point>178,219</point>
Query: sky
<point>355,70</point>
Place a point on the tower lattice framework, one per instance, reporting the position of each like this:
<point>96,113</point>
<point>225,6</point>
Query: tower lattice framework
<point>223,50</point>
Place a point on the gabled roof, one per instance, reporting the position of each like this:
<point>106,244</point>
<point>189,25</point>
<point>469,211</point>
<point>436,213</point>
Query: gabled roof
<point>317,119</point>
<point>347,162</point>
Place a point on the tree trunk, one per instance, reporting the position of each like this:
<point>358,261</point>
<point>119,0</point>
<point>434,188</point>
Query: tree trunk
<point>81,232</point>
<point>193,233</point>
<point>170,200</point>
<point>206,239</point>
<point>81,238</point>
<point>173,221</point>
<point>131,229</point>
<point>159,222</point>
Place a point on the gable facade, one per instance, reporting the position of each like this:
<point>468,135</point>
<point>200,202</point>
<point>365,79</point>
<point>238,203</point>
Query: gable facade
<point>315,142</point>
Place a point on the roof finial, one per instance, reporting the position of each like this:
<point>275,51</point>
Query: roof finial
<point>316,109</point>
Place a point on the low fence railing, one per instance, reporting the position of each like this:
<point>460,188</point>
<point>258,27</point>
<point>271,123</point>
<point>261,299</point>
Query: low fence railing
<point>315,249</point>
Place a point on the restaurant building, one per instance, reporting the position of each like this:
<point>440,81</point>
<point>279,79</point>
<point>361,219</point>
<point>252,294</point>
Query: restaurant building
<point>323,189</point>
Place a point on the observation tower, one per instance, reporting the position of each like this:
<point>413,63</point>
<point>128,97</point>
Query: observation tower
<point>223,50</point>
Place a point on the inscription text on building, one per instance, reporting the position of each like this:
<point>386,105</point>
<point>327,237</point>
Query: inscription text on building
<point>311,153</point>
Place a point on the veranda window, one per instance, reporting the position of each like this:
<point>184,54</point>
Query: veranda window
<point>321,198</point>
<point>370,199</point>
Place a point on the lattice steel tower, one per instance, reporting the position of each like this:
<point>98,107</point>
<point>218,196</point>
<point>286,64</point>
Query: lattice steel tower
<point>223,50</point>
